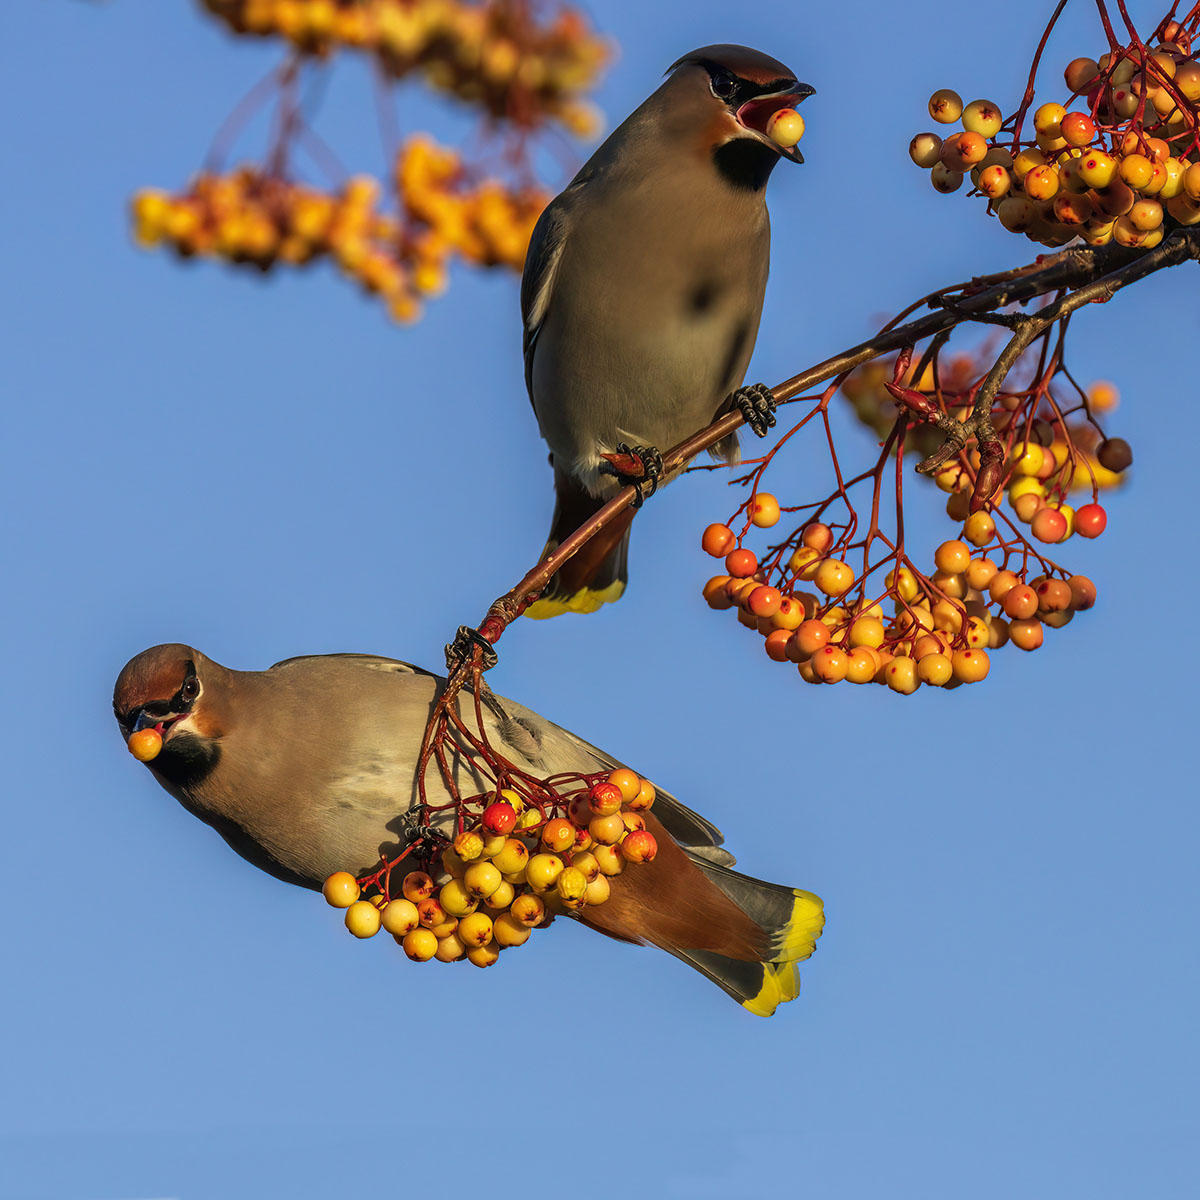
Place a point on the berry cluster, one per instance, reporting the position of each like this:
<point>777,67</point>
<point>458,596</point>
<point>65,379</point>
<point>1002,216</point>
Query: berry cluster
<point>495,53</point>
<point>1119,162</point>
<point>942,623</point>
<point>256,219</point>
<point>1074,451</point>
<point>515,866</point>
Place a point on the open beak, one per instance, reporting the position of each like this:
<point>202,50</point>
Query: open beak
<point>755,114</point>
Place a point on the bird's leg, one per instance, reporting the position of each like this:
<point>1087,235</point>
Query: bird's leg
<point>757,406</point>
<point>633,466</point>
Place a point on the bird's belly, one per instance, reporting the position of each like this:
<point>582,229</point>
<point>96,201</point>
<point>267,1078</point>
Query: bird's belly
<point>597,383</point>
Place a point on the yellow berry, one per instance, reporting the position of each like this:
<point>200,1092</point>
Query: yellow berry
<point>362,919</point>
<point>341,889</point>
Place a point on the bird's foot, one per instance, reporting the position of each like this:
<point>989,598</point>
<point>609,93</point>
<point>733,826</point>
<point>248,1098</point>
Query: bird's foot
<point>415,829</point>
<point>463,646</point>
<point>634,466</point>
<point>757,406</point>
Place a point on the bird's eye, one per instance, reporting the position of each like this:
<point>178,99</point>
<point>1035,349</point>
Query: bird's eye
<point>723,84</point>
<point>190,689</point>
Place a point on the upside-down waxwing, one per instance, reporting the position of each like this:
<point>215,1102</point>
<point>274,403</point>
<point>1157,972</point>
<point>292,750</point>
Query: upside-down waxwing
<point>642,293</point>
<point>310,768</point>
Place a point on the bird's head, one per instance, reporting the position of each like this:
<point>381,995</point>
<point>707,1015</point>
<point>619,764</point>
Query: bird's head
<point>739,90</point>
<point>163,689</point>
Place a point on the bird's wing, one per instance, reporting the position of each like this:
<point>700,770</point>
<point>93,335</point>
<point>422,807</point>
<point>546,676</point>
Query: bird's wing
<point>541,267</point>
<point>685,826</point>
<point>372,662</point>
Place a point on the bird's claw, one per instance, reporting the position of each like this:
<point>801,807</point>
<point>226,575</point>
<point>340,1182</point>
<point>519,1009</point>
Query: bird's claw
<point>757,406</point>
<point>460,650</point>
<point>634,466</point>
<point>415,829</point>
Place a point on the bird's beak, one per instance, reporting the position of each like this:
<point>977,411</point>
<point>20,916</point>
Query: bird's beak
<point>145,721</point>
<point>755,114</point>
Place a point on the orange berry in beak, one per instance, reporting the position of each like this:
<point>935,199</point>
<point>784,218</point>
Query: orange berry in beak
<point>145,744</point>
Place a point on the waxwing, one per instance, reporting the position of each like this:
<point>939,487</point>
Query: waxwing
<point>309,768</point>
<point>642,293</point>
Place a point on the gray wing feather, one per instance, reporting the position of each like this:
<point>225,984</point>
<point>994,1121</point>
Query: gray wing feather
<point>541,268</point>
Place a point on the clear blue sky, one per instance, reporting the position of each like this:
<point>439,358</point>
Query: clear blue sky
<point>1003,1003</point>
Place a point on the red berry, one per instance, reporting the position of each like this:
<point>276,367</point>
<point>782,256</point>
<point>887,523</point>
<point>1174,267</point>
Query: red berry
<point>499,817</point>
<point>1090,520</point>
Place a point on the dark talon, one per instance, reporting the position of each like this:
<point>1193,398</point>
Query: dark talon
<point>459,650</point>
<point>757,406</point>
<point>633,466</point>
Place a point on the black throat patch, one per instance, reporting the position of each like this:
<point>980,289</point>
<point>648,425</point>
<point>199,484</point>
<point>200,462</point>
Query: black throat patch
<point>745,163</point>
<point>186,760</point>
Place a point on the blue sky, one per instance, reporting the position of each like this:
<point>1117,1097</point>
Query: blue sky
<point>1003,1001</point>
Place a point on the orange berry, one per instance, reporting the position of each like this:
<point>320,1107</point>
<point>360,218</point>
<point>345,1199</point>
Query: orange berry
<point>717,540</point>
<point>606,830</point>
<point>934,669</point>
<point>1083,592</point>
<point>420,945</point>
<point>978,530</point>
<point>764,510</point>
<point>340,889</point>
<point>1025,634</point>
<point>901,675</point>
<point>1020,602</point>
<point>640,846</point>
<point>764,601</point>
<point>810,637</point>
<point>830,664</point>
<point>776,644</point>
<point>715,594</point>
<point>741,564</point>
<point>1049,525</point>
<point>834,577</point>
<point>628,782</point>
<point>817,536</point>
<point>145,744</point>
<point>645,797</point>
<point>864,662</point>
<point>971,665</point>
<point>952,557</point>
<point>1077,129</point>
<point>980,573</point>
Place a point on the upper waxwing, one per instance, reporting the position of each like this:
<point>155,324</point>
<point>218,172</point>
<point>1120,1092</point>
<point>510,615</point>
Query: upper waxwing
<point>310,768</point>
<point>642,293</point>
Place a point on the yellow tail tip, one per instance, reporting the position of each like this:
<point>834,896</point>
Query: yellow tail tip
<point>586,600</point>
<point>798,938</point>
<point>781,983</point>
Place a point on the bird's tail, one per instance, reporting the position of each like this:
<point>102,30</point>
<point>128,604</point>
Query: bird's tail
<point>597,574</point>
<point>791,921</point>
